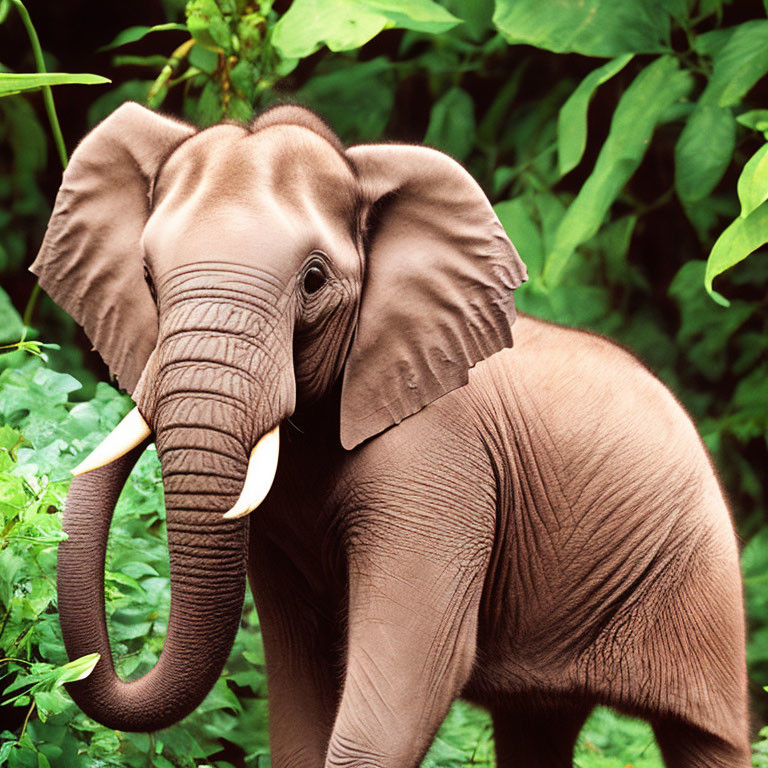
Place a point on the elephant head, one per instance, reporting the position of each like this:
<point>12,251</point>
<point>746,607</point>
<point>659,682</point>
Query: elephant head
<point>224,275</point>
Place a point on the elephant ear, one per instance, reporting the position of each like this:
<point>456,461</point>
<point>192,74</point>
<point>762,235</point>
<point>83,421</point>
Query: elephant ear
<point>437,292</point>
<point>90,262</point>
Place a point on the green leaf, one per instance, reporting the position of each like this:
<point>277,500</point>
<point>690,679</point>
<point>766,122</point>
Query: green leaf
<point>738,65</point>
<point>657,86</point>
<point>591,27</point>
<point>756,119</point>
<point>452,124</point>
<point>740,239</point>
<point>523,231</point>
<point>572,119</point>
<point>704,150</point>
<point>204,59</point>
<point>132,34</point>
<point>346,24</point>
<point>753,182</point>
<point>78,669</point>
<point>11,84</point>
<point>11,327</point>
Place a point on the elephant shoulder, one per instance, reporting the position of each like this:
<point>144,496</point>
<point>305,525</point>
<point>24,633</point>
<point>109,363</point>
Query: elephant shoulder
<point>583,387</point>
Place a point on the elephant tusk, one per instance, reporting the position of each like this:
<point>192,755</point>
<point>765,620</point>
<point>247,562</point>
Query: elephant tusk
<point>129,433</point>
<point>259,476</point>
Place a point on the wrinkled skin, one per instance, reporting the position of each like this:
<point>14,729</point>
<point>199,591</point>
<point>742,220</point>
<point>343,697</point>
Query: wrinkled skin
<point>546,537</point>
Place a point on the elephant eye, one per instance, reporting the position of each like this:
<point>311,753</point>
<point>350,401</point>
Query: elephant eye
<point>150,283</point>
<point>314,278</point>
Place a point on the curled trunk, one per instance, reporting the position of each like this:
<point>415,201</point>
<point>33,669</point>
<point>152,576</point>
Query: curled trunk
<point>208,566</point>
<point>208,409</point>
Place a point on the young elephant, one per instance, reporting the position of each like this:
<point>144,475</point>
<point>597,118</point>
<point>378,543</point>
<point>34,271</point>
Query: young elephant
<point>539,534</point>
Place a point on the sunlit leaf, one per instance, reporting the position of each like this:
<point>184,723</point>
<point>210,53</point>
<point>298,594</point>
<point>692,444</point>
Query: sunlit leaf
<point>658,85</point>
<point>78,669</point>
<point>740,239</point>
<point>753,182</point>
<point>11,83</point>
<point>591,27</point>
<point>346,24</point>
<point>132,34</point>
<point>572,119</point>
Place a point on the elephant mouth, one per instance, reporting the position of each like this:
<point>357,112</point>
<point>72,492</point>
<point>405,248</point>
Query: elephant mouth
<point>134,430</point>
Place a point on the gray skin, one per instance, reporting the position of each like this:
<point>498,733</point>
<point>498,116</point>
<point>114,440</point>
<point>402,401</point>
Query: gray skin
<point>540,535</point>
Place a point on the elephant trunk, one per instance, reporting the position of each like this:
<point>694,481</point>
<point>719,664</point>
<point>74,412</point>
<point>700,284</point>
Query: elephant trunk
<point>203,473</point>
<point>208,409</point>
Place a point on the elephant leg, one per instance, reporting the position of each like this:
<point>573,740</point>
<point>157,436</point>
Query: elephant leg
<point>542,739</point>
<point>412,627</point>
<point>685,746</point>
<point>300,647</point>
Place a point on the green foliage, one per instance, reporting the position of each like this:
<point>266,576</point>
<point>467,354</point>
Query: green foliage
<point>42,436</point>
<point>642,106</point>
<point>633,188</point>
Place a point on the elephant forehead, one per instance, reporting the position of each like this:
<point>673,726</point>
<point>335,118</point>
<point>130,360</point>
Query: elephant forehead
<point>290,164</point>
<point>274,196</point>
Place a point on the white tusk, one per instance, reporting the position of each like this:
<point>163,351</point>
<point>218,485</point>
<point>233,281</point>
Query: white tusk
<point>129,433</point>
<point>259,476</point>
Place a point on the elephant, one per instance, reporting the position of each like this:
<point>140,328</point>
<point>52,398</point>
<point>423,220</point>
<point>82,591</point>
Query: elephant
<point>320,336</point>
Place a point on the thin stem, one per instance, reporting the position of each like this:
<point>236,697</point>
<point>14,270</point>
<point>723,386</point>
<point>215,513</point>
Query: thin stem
<point>50,108</point>
<point>11,658</point>
<point>161,84</point>
<point>53,119</point>
<point>26,719</point>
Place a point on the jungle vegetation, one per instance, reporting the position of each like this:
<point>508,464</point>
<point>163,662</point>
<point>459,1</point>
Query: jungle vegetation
<point>624,145</point>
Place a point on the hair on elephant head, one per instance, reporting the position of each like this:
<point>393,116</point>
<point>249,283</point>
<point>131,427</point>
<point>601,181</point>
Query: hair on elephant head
<point>224,275</point>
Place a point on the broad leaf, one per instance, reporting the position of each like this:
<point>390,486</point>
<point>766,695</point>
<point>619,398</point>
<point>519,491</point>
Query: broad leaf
<point>346,24</point>
<point>452,124</point>
<point>591,27</point>
<point>523,231</point>
<point>704,150</point>
<point>11,83</point>
<point>753,182</point>
<point>132,34</point>
<point>739,64</point>
<point>734,245</point>
<point>651,93</point>
<point>572,119</point>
